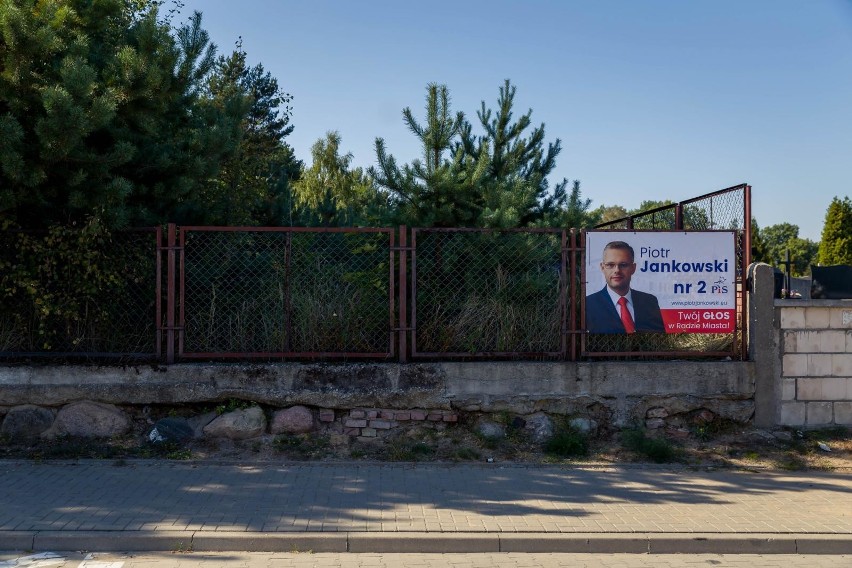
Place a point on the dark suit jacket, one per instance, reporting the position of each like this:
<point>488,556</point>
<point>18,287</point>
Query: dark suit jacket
<point>602,316</point>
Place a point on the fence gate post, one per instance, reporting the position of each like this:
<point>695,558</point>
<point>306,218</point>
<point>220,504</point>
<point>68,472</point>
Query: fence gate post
<point>158,295</point>
<point>170,293</point>
<point>403,294</point>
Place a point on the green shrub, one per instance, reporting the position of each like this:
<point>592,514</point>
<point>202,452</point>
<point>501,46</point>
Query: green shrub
<point>567,442</point>
<point>490,442</point>
<point>659,450</point>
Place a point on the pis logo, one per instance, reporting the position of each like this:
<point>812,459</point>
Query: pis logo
<point>719,286</point>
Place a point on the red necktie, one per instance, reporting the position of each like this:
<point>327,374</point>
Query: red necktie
<point>629,327</point>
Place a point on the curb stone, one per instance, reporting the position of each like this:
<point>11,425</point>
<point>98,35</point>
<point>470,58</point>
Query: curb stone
<point>421,542</point>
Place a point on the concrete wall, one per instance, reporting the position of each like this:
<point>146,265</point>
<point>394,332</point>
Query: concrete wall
<point>613,393</point>
<point>799,374</point>
<point>814,379</point>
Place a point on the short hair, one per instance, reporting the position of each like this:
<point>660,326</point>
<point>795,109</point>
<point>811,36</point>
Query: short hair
<point>620,245</point>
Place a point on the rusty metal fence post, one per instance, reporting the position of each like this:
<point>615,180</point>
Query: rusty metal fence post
<point>403,294</point>
<point>158,296</point>
<point>171,247</point>
<point>564,290</point>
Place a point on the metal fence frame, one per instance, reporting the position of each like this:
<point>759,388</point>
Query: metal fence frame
<point>168,345</point>
<point>175,328</point>
<point>567,324</point>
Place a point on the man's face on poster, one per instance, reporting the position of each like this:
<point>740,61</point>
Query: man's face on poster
<point>618,267</point>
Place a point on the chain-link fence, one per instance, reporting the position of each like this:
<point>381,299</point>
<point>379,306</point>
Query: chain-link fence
<point>278,293</point>
<point>726,209</point>
<point>286,292</point>
<point>480,292</point>
<point>62,295</point>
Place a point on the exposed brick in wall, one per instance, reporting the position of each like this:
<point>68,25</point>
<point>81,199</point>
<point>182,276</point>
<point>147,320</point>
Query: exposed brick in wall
<point>816,364</point>
<point>374,422</point>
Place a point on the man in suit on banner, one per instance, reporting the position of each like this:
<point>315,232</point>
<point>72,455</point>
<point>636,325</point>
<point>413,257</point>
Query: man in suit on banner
<point>617,308</point>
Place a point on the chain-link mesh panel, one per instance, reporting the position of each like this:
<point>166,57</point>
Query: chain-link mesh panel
<point>340,296</point>
<point>722,210</point>
<point>717,212</point>
<point>640,344</point>
<point>482,292</point>
<point>659,220</point>
<point>58,311</point>
<point>286,292</point>
<point>234,291</point>
<point>618,225</point>
<point>131,306</point>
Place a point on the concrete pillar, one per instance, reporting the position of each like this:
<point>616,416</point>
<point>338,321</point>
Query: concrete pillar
<point>763,345</point>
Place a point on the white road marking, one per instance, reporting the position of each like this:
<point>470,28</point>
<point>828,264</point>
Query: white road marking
<point>39,560</point>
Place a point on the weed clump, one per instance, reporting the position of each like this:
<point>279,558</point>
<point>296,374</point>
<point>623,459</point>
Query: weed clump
<point>409,451</point>
<point>567,442</point>
<point>301,446</point>
<point>658,450</point>
<point>466,454</point>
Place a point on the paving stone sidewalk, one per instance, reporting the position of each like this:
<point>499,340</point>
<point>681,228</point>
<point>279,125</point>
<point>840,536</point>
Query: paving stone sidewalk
<point>149,505</point>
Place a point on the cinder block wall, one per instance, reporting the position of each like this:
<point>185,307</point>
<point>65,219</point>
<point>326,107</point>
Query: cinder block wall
<point>815,338</point>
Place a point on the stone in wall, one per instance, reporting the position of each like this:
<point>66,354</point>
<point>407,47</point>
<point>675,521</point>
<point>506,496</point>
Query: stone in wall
<point>171,429</point>
<point>26,423</point>
<point>540,427</point>
<point>576,405</point>
<point>88,419</point>
<point>668,408</point>
<point>488,429</point>
<point>293,420</point>
<point>704,416</point>
<point>199,422</point>
<point>737,410</point>
<point>657,412</point>
<point>583,424</point>
<point>238,425</point>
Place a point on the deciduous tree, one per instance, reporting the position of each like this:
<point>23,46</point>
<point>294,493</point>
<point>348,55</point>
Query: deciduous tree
<point>607,213</point>
<point>333,193</point>
<point>784,237</point>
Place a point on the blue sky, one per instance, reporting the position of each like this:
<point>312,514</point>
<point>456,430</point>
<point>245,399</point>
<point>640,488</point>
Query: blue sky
<point>652,99</point>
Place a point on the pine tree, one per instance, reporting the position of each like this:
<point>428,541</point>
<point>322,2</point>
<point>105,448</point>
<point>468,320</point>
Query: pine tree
<point>441,189</point>
<point>180,140</point>
<point>100,113</point>
<point>262,167</point>
<point>835,247</point>
<point>56,151</point>
<point>514,191</point>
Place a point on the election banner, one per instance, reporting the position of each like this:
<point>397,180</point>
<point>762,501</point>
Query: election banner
<point>670,282</point>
